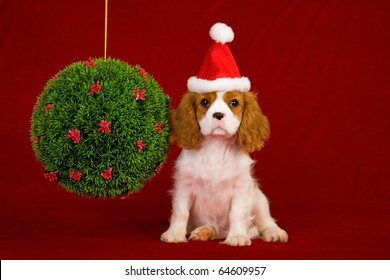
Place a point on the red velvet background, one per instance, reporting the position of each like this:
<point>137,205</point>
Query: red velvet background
<point>322,72</point>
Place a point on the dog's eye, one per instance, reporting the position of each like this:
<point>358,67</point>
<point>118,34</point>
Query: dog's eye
<point>234,103</point>
<point>205,102</point>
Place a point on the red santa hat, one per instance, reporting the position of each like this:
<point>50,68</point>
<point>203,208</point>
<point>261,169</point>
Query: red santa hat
<point>219,71</point>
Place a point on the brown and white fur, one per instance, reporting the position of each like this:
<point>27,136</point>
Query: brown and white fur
<point>215,195</point>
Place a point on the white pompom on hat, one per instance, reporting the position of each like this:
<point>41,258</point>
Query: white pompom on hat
<point>221,33</point>
<point>219,71</point>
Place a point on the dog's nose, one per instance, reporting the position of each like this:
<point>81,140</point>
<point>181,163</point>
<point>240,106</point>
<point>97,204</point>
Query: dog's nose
<point>218,115</point>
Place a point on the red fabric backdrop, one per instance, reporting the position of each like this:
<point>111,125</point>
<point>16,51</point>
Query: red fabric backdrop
<point>322,72</point>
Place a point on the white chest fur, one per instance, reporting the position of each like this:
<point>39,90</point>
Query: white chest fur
<point>212,174</point>
<point>214,162</point>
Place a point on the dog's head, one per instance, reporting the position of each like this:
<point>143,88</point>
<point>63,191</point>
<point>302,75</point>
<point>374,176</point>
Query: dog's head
<point>219,114</point>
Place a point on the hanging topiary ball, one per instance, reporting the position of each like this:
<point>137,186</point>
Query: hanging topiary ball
<point>100,128</point>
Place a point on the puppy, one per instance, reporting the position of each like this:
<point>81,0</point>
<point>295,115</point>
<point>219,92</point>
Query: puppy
<point>215,195</point>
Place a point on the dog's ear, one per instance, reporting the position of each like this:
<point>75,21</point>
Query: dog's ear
<point>185,129</point>
<point>254,129</point>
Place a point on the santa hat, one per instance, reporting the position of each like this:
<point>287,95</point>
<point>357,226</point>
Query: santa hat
<point>219,71</point>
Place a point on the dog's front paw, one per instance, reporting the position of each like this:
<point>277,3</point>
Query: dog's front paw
<point>202,233</point>
<point>237,241</point>
<point>173,237</point>
<point>274,234</point>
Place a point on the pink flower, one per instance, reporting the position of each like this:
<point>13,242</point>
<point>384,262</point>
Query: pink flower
<point>51,176</point>
<point>74,134</point>
<point>96,87</point>
<point>159,167</point>
<point>107,174</point>
<point>126,196</point>
<point>55,77</point>
<point>104,127</point>
<point>49,107</point>
<point>139,94</point>
<point>89,63</point>
<point>36,139</point>
<point>158,128</point>
<point>140,145</point>
<point>142,72</point>
<point>75,175</point>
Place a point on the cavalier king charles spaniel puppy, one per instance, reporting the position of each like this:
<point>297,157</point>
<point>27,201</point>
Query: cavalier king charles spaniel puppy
<point>215,195</point>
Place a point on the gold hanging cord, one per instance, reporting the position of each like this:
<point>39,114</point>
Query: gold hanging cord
<point>105,29</point>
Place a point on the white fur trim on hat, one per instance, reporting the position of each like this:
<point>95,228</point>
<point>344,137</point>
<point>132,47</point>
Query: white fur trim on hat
<point>221,33</point>
<point>242,84</point>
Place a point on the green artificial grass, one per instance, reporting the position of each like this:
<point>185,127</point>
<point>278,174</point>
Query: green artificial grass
<point>100,128</point>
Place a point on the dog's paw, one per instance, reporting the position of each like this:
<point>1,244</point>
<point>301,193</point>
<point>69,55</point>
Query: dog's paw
<point>202,233</point>
<point>237,241</point>
<point>274,234</point>
<point>172,237</point>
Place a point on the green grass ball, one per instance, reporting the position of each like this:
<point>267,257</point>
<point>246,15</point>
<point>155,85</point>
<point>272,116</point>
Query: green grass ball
<point>100,128</point>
